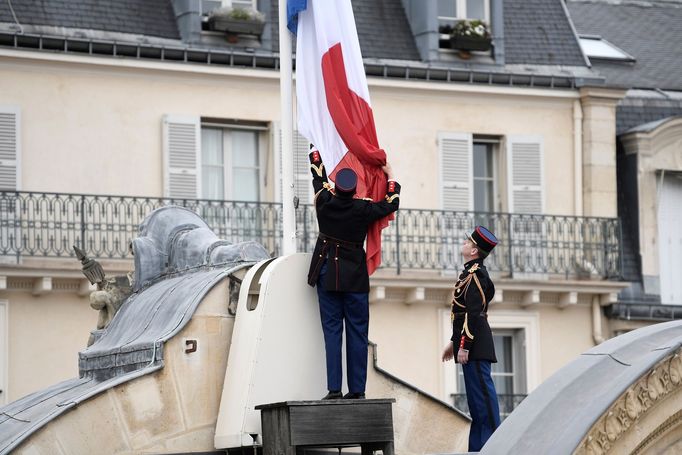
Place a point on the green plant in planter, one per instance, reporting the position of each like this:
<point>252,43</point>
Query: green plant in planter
<point>470,35</point>
<point>237,21</point>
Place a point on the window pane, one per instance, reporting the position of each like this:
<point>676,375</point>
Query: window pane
<point>212,170</point>
<point>483,160</point>
<point>476,9</point>
<point>243,4</point>
<point>244,148</point>
<point>483,195</point>
<point>211,146</point>
<point>504,385</point>
<point>447,8</point>
<point>212,182</point>
<point>245,184</point>
<point>503,351</point>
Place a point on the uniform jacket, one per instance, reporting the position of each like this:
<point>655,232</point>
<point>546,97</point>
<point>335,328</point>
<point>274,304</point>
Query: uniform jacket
<point>343,222</point>
<point>470,330</point>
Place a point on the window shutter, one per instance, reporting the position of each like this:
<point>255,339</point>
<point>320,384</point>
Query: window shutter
<point>302,178</point>
<point>525,171</point>
<point>456,171</point>
<point>182,156</point>
<point>9,148</point>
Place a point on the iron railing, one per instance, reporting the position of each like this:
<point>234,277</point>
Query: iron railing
<point>507,403</point>
<point>49,224</point>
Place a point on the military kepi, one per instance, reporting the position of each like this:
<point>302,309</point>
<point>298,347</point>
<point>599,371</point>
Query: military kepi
<point>346,180</point>
<point>484,239</point>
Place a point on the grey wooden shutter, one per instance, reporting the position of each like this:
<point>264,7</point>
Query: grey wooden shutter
<point>456,171</point>
<point>9,148</point>
<point>302,178</point>
<point>182,156</point>
<point>525,174</point>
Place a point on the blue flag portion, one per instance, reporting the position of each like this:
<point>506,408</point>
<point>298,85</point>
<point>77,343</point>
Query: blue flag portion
<point>293,8</point>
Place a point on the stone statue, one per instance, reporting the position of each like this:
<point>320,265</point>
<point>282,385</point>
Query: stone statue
<point>110,293</point>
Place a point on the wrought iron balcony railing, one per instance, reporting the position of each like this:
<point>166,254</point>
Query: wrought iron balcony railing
<point>48,224</point>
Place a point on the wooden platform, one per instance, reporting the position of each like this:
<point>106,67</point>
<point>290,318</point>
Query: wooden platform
<point>292,425</point>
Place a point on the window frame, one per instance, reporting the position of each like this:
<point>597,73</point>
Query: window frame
<point>529,324</point>
<point>494,149</point>
<point>228,166</point>
<point>461,5</point>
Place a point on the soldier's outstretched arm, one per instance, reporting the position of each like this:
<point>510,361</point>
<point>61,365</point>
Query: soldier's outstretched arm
<point>320,181</point>
<point>391,203</point>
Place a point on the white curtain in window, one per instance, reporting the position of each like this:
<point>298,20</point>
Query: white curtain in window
<point>212,164</point>
<point>245,171</point>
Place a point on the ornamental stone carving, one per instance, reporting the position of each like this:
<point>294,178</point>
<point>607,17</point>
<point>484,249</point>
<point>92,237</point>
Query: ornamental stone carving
<point>640,398</point>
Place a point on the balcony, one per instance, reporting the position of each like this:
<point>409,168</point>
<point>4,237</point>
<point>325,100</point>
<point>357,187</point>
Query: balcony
<point>49,224</point>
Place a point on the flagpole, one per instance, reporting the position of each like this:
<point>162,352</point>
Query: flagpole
<point>287,125</point>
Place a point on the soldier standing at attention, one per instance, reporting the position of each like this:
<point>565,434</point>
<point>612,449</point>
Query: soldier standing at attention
<point>471,333</point>
<point>339,269</point>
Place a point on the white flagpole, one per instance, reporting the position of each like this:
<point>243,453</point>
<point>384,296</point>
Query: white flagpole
<point>287,124</point>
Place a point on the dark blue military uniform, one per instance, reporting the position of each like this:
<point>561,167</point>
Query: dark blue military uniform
<point>470,330</point>
<point>339,269</point>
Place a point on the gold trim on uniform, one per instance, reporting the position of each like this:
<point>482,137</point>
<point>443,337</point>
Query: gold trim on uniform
<point>390,199</point>
<point>317,169</point>
<point>480,289</point>
<point>474,267</point>
<point>466,327</point>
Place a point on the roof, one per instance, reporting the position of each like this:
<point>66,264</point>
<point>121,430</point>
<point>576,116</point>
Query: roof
<point>383,29</point>
<point>650,31</point>
<point>140,17</point>
<point>539,32</point>
<point>641,107</point>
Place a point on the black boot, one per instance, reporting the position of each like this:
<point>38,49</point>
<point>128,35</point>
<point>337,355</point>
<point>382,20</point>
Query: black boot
<point>336,395</point>
<point>354,396</point>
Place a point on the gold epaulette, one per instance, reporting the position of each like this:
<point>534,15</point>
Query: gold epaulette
<point>365,199</point>
<point>390,199</point>
<point>474,268</point>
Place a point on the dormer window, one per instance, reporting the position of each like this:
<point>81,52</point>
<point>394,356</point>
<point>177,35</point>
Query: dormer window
<point>209,5</point>
<point>451,11</point>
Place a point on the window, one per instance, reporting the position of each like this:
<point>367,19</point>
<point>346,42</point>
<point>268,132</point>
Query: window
<point>508,373</point>
<point>484,177</point>
<point>209,5</point>
<point>230,164</point>
<point>517,371</point>
<point>595,47</point>
<point>450,11</point>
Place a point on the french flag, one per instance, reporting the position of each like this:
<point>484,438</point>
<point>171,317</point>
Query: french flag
<point>334,111</point>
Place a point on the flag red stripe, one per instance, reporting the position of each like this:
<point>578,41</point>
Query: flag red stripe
<point>354,122</point>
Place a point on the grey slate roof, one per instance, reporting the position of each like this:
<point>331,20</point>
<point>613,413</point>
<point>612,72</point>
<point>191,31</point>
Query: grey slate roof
<point>649,31</point>
<point>141,17</point>
<point>539,32</point>
<point>556,416</point>
<point>628,117</point>
<point>383,30</point>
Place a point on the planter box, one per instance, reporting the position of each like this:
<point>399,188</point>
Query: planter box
<point>222,24</point>
<point>470,44</point>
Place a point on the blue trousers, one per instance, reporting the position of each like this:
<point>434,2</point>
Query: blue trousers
<point>352,310</point>
<point>482,400</point>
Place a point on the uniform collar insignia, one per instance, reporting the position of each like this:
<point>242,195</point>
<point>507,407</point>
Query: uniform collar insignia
<point>474,267</point>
